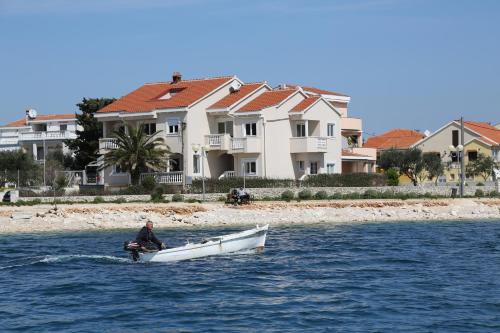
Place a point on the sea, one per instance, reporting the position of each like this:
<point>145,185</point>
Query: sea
<point>440,276</point>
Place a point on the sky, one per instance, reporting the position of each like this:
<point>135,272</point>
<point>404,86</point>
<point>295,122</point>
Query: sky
<point>405,63</point>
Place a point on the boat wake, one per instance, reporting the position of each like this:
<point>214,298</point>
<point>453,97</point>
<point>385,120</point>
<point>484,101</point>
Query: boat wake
<point>49,259</point>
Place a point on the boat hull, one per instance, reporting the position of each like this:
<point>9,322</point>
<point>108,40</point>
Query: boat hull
<point>253,239</point>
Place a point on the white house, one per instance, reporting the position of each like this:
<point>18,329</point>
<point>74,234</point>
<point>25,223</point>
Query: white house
<point>39,134</point>
<point>246,129</point>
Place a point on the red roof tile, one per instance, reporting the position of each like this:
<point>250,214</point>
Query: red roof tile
<point>234,97</point>
<point>47,117</point>
<point>267,99</point>
<point>305,104</point>
<point>490,134</point>
<point>316,91</point>
<point>147,97</point>
<point>396,138</point>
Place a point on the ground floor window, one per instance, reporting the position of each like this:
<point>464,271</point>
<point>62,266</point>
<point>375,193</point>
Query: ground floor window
<point>119,169</point>
<point>472,155</point>
<point>314,168</point>
<point>300,165</point>
<point>250,168</point>
<point>330,168</point>
<point>196,164</point>
<point>174,164</point>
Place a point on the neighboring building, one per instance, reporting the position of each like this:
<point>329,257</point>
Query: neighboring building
<point>249,129</point>
<point>39,135</point>
<point>479,138</point>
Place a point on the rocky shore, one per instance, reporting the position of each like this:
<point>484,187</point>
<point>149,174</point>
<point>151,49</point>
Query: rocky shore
<point>47,218</point>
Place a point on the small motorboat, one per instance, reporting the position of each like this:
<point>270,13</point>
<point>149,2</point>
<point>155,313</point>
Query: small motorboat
<point>248,240</point>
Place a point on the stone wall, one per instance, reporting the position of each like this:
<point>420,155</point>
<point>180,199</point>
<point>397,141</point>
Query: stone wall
<point>260,193</point>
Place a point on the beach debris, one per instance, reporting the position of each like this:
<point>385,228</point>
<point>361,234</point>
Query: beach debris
<point>21,216</point>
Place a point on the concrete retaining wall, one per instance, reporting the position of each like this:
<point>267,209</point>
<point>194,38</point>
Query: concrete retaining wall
<point>260,193</point>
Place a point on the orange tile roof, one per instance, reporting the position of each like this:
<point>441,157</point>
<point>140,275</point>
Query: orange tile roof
<point>147,97</point>
<point>305,104</point>
<point>316,90</point>
<point>490,134</point>
<point>396,138</point>
<point>267,99</point>
<point>47,117</point>
<point>234,97</point>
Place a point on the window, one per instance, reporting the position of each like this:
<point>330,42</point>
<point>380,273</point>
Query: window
<point>330,168</point>
<point>454,138</point>
<point>174,164</point>
<point>118,169</point>
<point>196,164</point>
<point>300,165</point>
<point>301,130</point>
<point>250,167</point>
<point>314,168</point>
<point>149,129</point>
<point>330,130</point>
<point>251,129</point>
<point>63,127</point>
<point>225,127</point>
<point>173,126</point>
<point>472,155</point>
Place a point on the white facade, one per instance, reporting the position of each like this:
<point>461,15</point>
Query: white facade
<point>274,141</point>
<point>39,135</point>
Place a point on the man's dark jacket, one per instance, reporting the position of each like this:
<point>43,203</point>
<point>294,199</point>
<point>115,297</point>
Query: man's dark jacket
<point>145,237</point>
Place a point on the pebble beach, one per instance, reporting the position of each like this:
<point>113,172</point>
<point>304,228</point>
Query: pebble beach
<point>108,216</point>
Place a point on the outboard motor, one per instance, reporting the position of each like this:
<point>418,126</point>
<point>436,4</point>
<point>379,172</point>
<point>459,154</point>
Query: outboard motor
<point>133,247</point>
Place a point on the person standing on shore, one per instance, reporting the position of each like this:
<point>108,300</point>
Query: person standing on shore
<point>147,239</point>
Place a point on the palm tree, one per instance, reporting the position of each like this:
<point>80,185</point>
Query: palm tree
<point>137,152</point>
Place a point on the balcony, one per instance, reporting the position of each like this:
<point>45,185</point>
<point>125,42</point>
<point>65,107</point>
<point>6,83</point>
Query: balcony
<point>249,144</point>
<point>107,144</point>
<point>351,125</point>
<point>50,135</point>
<point>8,141</point>
<point>309,144</point>
<point>174,177</point>
<point>218,141</point>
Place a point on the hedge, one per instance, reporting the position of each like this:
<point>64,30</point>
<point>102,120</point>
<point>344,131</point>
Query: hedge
<point>346,180</point>
<point>226,184</point>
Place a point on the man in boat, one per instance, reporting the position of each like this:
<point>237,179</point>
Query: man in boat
<point>147,239</point>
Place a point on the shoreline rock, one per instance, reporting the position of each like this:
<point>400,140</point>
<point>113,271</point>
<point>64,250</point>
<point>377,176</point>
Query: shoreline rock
<point>108,216</point>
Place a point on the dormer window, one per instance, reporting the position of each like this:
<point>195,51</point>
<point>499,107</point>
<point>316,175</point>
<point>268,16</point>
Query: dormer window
<point>171,93</point>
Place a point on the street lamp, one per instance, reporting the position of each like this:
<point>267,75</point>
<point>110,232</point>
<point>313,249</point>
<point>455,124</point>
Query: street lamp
<point>202,150</point>
<point>459,150</point>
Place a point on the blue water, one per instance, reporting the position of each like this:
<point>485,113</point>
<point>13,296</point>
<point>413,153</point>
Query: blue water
<point>373,277</point>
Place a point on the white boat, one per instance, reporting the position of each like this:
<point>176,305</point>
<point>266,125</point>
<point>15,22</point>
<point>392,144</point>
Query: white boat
<point>247,240</point>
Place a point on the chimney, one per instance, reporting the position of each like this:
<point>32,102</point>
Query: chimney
<point>176,77</point>
<point>27,117</point>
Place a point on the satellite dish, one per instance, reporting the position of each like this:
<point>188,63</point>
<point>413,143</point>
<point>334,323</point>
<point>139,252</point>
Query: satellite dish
<point>32,113</point>
<point>235,86</point>
<point>427,133</point>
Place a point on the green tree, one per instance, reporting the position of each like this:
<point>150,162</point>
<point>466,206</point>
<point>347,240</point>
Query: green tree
<point>14,164</point>
<point>408,162</point>
<point>433,165</point>
<point>483,166</point>
<point>392,177</point>
<point>86,145</point>
<point>137,152</point>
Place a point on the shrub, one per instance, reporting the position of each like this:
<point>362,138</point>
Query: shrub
<point>336,196</point>
<point>494,194</point>
<point>157,195</point>
<point>287,195</point>
<point>480,184</point>
<point>221,198</point>
<point>224,185</point>
<point>177,197</point>
<point>98,199</point>
<point>392,177</point>
<point>60,182</point>
<point>193,200</point>
<point>120,200</point>
<point>479,193</point>
<point>305,194</point>
<point>354,195</point>
<point>149,183</point>
<point>321,195</point>
<point>346,180</point>
<point>370,194</point>
<point>387,194</point>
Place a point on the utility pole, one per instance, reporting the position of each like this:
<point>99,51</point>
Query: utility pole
<point>462,160</point>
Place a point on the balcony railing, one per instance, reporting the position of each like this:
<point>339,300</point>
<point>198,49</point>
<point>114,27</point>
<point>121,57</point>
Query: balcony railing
<point>174,177</point>
<point>309,144</point>
<point>218,141</point>
<point>228,174</point>
<point>50,135</point>
<point>107,144</point>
